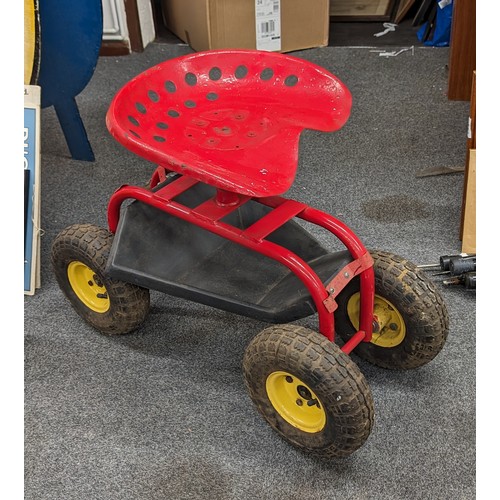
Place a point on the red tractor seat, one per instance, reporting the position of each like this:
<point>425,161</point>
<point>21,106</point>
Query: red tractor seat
<point>228,118</point>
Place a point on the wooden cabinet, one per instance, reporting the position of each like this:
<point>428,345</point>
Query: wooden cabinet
<point>462,60</point>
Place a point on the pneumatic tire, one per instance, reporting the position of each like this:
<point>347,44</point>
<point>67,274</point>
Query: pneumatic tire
<point>79,256</point>
<point>308,390</point>
<point>412,314</point>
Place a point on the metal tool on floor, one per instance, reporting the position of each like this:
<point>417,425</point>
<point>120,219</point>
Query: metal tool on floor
<point>460,269</point>
<point>467,280</point>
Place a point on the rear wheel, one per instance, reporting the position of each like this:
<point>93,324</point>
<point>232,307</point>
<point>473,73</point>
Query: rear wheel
<point>79,256</point>
<point>308,390</point>
<point>411,319</point>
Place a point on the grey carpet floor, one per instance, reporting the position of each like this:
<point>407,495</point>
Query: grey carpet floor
<point>163,413</point>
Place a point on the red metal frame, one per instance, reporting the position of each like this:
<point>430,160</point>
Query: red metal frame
<point>208,216</point>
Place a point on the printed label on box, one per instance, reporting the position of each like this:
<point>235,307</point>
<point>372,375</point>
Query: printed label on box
<point>268,25</point>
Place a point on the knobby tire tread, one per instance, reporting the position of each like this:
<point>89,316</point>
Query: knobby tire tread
<point>331,373</point>
<point>421,305</point>
<point>91,245</point>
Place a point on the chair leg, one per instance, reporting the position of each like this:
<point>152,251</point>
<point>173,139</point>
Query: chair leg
<point>74,130</point>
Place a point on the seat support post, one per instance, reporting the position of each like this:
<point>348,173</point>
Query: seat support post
<point>225,198</point>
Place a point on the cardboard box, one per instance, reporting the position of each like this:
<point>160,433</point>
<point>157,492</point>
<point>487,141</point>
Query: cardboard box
<point>273,25</point>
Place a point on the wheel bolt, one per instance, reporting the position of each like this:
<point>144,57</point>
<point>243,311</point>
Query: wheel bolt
<point>97,281</point>
<point>393,326</point>
<point>90,283</point>
<point>299,402</point>
<point>304,392</point>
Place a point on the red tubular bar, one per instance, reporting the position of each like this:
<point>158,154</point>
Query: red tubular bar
<point>357,250</point>
<point>175,188</point>
<point>252,238</point>
<point>275,219</point>
<point>356,339</point>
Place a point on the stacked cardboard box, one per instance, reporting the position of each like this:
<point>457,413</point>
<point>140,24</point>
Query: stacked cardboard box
<point>274,25</point>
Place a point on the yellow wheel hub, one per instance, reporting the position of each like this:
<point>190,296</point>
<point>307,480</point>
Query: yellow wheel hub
<point>295,402</point>
<point>391,328</point>
<point>88,287</point>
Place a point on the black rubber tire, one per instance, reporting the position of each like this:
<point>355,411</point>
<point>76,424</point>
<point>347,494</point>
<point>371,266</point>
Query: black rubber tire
<point>332,375</point>
<point>418,302</point>
<point>90,245</point>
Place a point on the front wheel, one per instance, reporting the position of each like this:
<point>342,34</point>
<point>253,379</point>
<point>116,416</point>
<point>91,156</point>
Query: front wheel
<point>411,319</point>
<point>308,390</point>
<point>79,256</point>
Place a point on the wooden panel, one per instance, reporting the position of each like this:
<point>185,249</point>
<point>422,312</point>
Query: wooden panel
<point>134,26</point>
<point>403,8</point>
<point>471,144</point>
<point>471,133</point>
<point>360,8</point>
<point>114,48</point>
<point>469,233</point>
<point>462,60</point>
<point>113,20</point>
